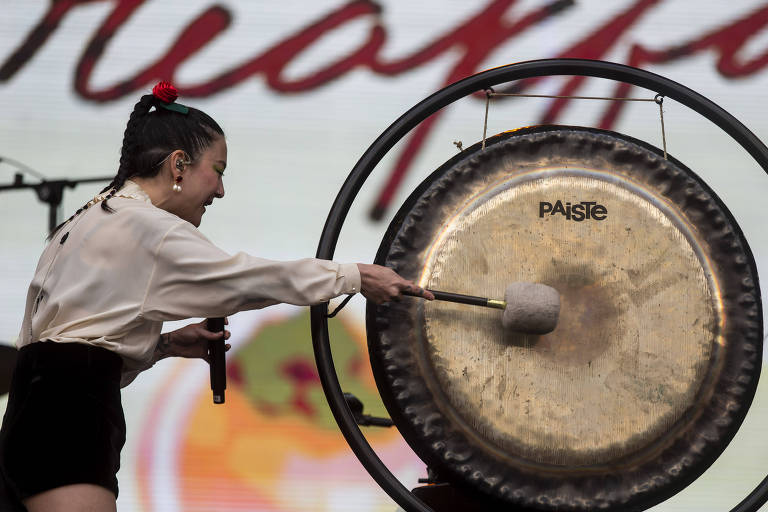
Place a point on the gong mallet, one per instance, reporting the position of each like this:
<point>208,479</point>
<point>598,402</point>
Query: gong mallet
<point>530,308</point>
<point>216,350</point>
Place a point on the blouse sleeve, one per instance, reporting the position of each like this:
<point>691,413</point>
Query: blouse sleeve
<point>194,278</point>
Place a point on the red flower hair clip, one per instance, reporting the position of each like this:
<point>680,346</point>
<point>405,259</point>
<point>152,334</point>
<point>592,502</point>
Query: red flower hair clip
<point>164,91</point>
<point>167,95</point>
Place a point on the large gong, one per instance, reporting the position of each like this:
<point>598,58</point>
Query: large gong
<point>655,358</point>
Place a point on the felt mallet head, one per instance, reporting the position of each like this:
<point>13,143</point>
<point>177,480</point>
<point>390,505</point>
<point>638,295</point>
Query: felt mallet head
<point>532,308</point>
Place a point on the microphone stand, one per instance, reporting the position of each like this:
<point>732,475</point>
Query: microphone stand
<point>50,192</point>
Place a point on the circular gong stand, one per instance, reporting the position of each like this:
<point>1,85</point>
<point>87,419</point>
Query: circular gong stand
<point>442,98</point>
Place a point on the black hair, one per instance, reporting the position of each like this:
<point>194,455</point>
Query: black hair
<point>151,135</point>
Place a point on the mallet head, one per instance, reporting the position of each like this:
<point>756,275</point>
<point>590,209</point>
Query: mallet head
<point>532,308</point>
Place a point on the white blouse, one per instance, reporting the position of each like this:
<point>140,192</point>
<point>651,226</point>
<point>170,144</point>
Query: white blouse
<point>111,280</point>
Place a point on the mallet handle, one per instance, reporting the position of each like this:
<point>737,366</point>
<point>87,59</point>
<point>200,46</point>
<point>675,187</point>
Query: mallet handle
<point>465,299</point>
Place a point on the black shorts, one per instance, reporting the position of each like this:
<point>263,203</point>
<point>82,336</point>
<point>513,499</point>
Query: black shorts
<point>64,421</point>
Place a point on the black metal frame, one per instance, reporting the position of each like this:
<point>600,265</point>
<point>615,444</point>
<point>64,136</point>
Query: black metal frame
<point>401,127</point>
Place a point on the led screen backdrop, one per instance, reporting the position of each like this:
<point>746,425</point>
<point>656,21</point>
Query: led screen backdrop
<point>301,89</point>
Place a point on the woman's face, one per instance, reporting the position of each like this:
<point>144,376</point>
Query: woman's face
<point>203,181</point>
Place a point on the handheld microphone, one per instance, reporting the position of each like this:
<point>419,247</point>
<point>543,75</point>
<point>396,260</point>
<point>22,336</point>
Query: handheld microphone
<point>216,351</point>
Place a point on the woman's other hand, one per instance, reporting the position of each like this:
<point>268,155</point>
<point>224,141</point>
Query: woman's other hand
<point>190,341</point>
<point>381,284</point>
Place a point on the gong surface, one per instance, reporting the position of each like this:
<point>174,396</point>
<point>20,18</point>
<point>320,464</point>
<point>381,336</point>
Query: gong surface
<point>655,357</point>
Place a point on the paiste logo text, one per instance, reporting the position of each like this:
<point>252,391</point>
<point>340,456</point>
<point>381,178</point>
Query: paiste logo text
<point>585,210</point>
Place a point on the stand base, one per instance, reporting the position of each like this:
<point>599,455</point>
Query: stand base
<point>444,497</point>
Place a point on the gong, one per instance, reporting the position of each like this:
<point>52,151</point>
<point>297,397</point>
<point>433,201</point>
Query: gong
<point>655,358</point>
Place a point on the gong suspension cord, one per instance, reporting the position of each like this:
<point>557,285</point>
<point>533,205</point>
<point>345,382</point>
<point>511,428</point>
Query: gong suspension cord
<point>658,99</point>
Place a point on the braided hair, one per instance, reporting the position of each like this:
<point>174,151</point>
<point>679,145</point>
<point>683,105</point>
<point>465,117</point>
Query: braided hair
<point>150,136</point>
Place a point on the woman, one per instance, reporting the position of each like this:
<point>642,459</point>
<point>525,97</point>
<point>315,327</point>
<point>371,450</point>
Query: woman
<point>126,262</point>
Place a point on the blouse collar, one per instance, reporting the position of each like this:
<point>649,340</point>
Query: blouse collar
<point>132,190</point>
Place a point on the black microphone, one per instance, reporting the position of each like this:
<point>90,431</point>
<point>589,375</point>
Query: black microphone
<point>216,351</point>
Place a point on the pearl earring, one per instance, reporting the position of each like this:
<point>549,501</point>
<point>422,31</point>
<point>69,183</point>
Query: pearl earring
<point>177,184</point>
